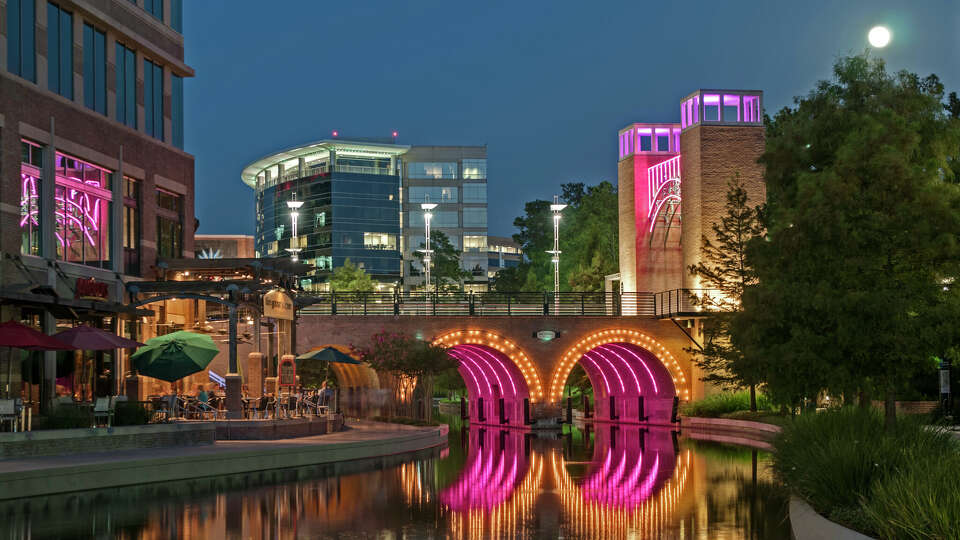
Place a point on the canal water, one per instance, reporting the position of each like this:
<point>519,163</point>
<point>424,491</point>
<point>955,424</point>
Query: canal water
<point>620,482</point>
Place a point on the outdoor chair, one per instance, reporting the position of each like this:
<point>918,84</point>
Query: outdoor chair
<point>290,406</point>
<point>262,408</point>
<point>8,413</point>
<point>103,410</point>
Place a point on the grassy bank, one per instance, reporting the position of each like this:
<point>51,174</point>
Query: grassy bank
<point>736,406</point>
<point>890,485</point>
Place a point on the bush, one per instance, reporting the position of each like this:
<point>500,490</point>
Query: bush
<point>840,460</point>
<point>725,403</point>
<point>67,416</point>
<point>130,414</point>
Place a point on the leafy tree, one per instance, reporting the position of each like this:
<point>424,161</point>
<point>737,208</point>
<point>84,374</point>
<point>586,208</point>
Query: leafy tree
<point>350,278</point>
<point>445,270</point>
<point>855,275</point>
<point>408,359</point>
<point>724,270</point>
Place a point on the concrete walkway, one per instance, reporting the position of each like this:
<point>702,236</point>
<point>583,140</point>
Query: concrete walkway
<point>57,474</point>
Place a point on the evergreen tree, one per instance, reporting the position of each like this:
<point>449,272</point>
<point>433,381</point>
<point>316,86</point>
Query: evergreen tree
<point>725,271</point>
<point>855,274</point>
<point>445,270</point>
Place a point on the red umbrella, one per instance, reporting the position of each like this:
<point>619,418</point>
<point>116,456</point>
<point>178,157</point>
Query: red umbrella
<point>94,339</point>
<point>14,334</point>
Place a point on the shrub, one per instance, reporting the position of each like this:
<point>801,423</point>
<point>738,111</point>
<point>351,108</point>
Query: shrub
<point>837,460</point>
<point>130,414</point>
<point>67,417</point>
<point>725,403</point>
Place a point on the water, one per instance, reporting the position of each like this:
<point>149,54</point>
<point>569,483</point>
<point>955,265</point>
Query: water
<point>620,483</point>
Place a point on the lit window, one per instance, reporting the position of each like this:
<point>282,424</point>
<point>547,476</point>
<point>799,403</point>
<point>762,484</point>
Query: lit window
<point>373,240</point>
<point>432,170</point>
<point>474,243</point>
<point>474,169</point>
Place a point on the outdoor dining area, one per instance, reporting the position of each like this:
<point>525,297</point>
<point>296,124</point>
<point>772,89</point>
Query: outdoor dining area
<point>171,358</point>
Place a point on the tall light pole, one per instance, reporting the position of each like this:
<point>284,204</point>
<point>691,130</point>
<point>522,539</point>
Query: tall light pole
<point>294,205</point>
<point>556,208</point>
<point>427,216</point>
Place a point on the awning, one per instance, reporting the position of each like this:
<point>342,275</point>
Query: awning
<point>70,307</point>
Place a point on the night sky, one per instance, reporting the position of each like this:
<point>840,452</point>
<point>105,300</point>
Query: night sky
<point>545,85</point>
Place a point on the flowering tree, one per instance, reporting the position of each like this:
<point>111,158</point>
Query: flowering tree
<point>411,363</point>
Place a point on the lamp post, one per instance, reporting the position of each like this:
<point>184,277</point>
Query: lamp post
<point>556,208</point>
<point>945,387</point>
<point>294,206</point>
<point>427,215</point>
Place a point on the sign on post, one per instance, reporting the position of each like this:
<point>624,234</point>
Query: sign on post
<point>278,305</point>
<point>288,372</point>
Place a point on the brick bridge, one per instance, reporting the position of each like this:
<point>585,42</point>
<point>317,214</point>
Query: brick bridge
<point>636,364</point>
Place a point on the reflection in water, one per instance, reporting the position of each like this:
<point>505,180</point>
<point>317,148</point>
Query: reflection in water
<point>614,483</point>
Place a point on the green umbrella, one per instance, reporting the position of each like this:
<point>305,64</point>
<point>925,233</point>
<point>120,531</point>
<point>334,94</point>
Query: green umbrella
<point>174,356</point>
<point>329,354</point>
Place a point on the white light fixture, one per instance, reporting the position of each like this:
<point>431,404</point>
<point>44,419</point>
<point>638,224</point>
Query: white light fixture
<point>294,205</point>
<point>879,36</point>
<point>427,206</point>
<point>556,208</point>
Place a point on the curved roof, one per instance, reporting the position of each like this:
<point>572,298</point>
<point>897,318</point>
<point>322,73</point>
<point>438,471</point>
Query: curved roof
<point>250,172</point>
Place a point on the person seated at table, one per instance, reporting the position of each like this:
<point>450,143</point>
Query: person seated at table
<point>244,392</point>
<point>202,395</point>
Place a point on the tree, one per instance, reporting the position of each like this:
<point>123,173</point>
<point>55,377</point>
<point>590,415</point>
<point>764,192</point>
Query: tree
<point>350,278</point>
<point>724,270</point>
<point>408,360</point>
<point>855,274</point>
<point>445,269</point>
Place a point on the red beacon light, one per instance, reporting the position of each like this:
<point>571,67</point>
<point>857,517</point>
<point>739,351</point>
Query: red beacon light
<point>395,134</point>
<point>336,133</point>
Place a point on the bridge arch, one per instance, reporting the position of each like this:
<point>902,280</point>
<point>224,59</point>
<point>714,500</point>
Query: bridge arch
<point>501,380</point>
<point>623,364</point>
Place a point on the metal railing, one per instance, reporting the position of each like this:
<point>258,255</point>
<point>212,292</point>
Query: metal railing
<point>485,304</point>
<point>686,302</point>
<point>362,170</point>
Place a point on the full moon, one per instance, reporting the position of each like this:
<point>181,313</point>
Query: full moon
<point>879,36</point>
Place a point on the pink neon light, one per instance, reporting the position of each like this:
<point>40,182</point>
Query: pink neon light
<point>482,374</point>
<point>476,356</point>
<point>499,361</point>
<point>711,99</point>
<point>606,383</point>
<point>642,361</point>
<point>476,383</point>
<point>636,380</point>
<point>644,131</point>
<point>658,176</point>
<point>614,368</point>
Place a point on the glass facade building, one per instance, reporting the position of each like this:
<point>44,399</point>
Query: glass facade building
<point>361,201</point>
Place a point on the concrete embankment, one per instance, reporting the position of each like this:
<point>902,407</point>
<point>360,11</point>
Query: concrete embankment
<point>29,477</point>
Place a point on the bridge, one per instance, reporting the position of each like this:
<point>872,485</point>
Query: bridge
<point>516,350</point>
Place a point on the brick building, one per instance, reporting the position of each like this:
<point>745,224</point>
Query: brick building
<point>94,184</point>
<point>673,184</point>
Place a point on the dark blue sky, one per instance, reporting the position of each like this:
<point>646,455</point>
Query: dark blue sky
<point>546,85</point>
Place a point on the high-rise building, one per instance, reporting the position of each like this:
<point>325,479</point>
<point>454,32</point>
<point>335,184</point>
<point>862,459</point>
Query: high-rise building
<point>359,199</point>
<point>94,184</point>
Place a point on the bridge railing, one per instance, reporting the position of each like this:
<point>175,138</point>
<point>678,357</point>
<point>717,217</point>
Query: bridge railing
<point>687,302</point>
<point>574,304</point>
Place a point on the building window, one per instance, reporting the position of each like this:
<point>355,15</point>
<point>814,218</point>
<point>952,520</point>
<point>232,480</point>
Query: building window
<point>169,225</point>
<point>448,219</point>
<point>30,173</point>
<point>646,143</point>
<point>94,69</point>
<point>663,143</point>
<point>474,243</point>
<point>176,115</point>
<point>131,226</point>
<point>474,193</point>
<point>374,240</point>
<point>82,199</point>
<point>432,170</point>
<point>474,217</point>
<point>126,86</point>
<point>21,44</point>
<point>154,7</point>
<point>59,51</point>
<point>176,15</point>
<point>437,194</point>
<point>474,169</point>
<point>153,98</point>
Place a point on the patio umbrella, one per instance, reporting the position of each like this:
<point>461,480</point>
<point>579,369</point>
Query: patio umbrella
<point>94,339</point>
<point>329,354</point>
<point>20,336</point>
<point>174,356</point>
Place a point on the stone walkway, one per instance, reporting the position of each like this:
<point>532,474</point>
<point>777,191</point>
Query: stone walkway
<point>361,440</point>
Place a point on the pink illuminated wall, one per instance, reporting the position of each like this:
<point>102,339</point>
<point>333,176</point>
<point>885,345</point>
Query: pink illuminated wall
<point>626,372</point>
<point>491,376</point>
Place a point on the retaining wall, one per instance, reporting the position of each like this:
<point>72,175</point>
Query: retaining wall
<point>57,442</point>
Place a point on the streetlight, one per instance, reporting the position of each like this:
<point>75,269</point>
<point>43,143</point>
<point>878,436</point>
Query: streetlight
<point>556,208</point>
<point>427,215</point>
<point>294,206</point>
